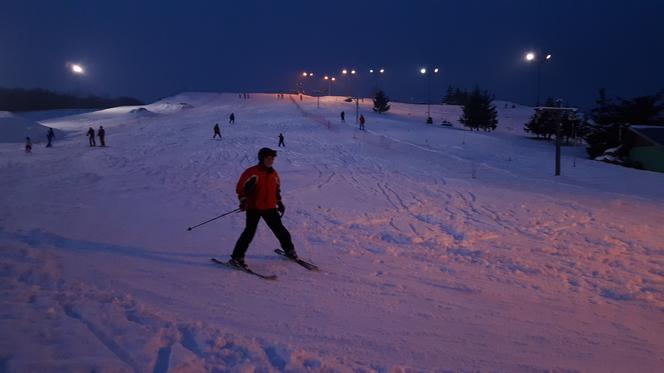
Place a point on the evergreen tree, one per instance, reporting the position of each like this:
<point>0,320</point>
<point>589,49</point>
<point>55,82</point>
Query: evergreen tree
<point>479,111</point>
<point>381,102</point>
<point>449,98</point>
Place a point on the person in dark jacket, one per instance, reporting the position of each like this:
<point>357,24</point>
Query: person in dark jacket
<point>362,122</point>
<point>28,145</point>
<point>101,133</point>
<point>217,131</point>
<point>91,137</point>
<point>258,190</point>
<point>50,136</point>
<point>343,116</point>
<point>281,140</point>
<point>231,118</point>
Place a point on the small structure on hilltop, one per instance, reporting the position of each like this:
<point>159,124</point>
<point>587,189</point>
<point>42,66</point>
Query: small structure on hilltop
<point>646,146</point>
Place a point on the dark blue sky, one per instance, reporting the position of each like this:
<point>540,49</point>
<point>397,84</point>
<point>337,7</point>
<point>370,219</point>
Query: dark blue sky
<point>153,49</point>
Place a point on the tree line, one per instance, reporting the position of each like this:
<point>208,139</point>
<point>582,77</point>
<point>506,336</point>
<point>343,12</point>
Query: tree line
<point>17,99</point>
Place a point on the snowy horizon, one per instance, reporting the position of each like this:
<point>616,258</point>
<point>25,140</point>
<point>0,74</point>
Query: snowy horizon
<point>440,249</point>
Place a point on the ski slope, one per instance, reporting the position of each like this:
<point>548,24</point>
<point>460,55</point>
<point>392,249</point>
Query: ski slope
<point>440,249</point>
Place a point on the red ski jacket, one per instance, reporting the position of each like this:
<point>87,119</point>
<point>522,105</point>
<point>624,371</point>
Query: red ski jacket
<point>259,188</point>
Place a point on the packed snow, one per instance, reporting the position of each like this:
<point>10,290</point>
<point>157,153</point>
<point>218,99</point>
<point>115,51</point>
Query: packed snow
<point>440,249</point>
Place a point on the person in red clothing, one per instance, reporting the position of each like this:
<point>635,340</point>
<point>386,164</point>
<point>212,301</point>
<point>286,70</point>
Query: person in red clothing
<point>259,192</point>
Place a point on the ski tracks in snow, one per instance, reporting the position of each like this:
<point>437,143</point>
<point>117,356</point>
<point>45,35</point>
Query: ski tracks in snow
<point>119,332</point>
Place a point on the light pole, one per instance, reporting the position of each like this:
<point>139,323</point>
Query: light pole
<point>423,71</point>
<point>353,72</point>
<point>534,58</point>
<point>329,83</point>
<point>78,70</point>
<point>377,73</point>
<point>304,76</point>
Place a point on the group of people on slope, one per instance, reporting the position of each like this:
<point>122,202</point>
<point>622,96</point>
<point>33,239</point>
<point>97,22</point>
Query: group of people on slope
<point>216,131</point>
<point>50,135</point>
<point>101,133</point>
<point>361,120</point>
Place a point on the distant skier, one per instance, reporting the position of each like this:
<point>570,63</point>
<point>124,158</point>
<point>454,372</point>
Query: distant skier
<point>281,140</point>
<point>28,145</point>
<point>343,116</point>
<point>101,133</point>
<point>217,131</point>
<point>259,192</point>
<point>362,122</point>
<point>50,136</point>
<point>231,118</point>
<point>91,137</point>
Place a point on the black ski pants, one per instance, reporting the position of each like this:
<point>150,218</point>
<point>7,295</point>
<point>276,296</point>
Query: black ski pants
<point>273,220</point>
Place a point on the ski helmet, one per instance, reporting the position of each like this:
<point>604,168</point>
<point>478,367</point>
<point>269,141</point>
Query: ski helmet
<point>266,152</point>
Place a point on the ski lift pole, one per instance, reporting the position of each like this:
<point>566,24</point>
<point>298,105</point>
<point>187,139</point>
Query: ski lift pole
<point>215,218</point>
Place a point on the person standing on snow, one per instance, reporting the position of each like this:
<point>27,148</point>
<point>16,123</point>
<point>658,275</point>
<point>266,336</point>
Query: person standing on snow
<point>281,140</point>
<point>259,192</point>
<point>231,119</point>
<point>362,122</point>
<point>91,137</point>
<point>101,133</point>
<point>217,131</point>
<point>28,145</point>
<point>50,136</point>
<point>343,116</point>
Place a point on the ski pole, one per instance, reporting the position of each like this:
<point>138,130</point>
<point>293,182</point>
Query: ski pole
<point>207,221</point>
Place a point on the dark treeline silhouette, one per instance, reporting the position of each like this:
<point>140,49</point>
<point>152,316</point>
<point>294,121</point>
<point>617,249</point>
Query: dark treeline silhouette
<point>456,96</point>
<point>610,117</point>
<point>17,99</point>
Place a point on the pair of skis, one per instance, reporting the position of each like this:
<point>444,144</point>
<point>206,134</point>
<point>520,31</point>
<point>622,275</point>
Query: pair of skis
<point>303,263</point>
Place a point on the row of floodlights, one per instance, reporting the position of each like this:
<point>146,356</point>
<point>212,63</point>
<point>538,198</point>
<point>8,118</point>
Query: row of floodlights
<point>307,74</point>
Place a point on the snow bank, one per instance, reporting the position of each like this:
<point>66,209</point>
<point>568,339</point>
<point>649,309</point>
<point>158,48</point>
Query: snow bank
<point>14,128</point>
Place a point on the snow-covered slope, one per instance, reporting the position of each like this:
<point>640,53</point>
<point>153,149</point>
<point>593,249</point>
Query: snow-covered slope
<point>15,128</point>
<point>441,249</point>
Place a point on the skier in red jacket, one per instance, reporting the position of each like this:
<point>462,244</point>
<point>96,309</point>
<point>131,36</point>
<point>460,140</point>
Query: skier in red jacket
<point>259,192</point>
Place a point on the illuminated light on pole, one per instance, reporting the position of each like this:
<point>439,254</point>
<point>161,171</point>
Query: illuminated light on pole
<point>353,72</point>
<point>77,69</point>
<point>423,71</point>
<point>532,57</point>
<point>378,74</point>
<point>301,84</point>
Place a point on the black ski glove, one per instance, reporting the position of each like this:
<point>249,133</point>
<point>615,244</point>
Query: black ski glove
<point>281,208</point>
<point>243,205</point>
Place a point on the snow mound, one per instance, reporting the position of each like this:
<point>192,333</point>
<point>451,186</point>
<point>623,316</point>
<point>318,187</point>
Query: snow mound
<point>141,111</point>
<point>169,107</point>
<point>14,128</point>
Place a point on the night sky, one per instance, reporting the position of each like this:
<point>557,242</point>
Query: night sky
<point>154,49</point>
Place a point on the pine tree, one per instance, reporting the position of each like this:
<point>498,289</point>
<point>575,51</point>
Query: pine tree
<point>479,111</point>
<point>381,102</point>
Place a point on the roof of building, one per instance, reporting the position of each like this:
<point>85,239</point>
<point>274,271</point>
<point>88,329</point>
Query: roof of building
<point>652,133</point>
